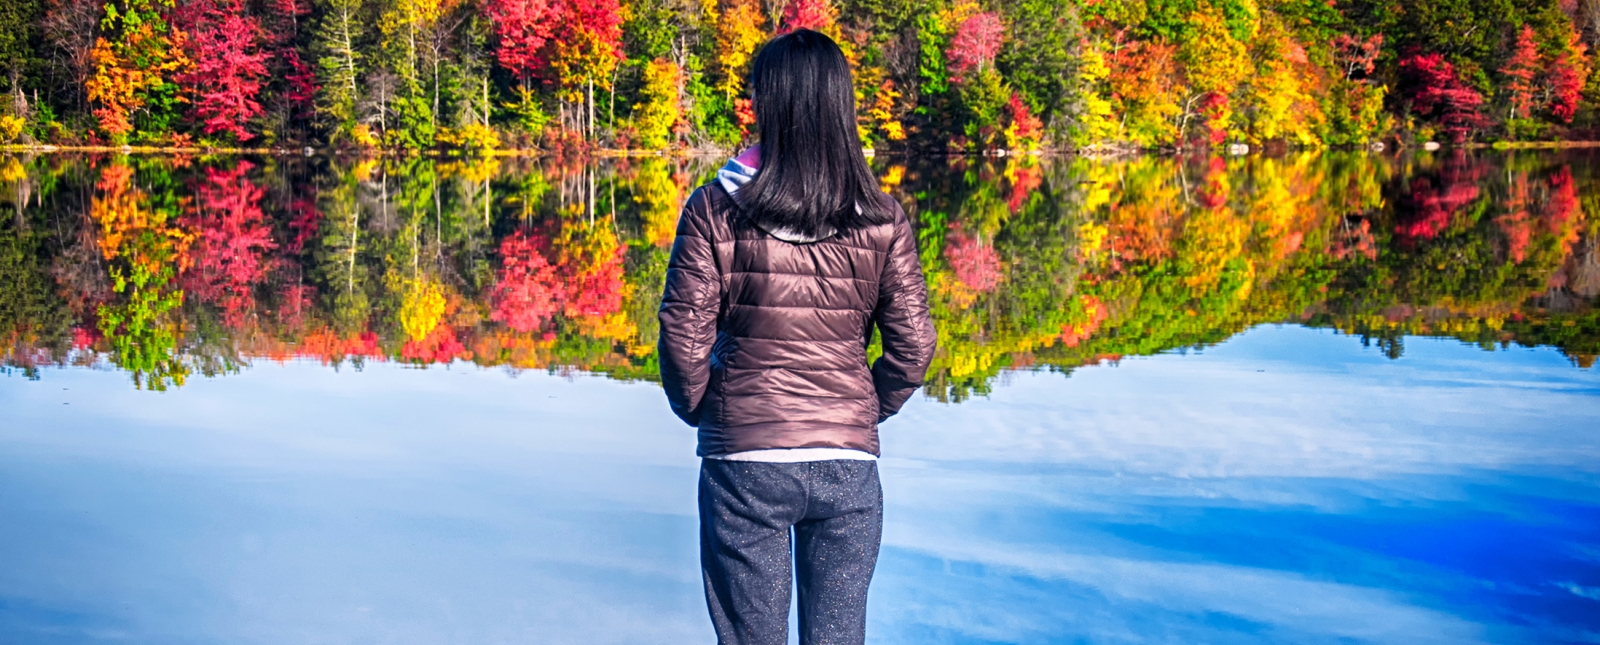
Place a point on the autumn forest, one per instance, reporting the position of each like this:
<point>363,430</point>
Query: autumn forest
<point>167,268</point>
<point>931,75</point>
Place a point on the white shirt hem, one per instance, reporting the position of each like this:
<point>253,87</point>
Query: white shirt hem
<point>797,455</point>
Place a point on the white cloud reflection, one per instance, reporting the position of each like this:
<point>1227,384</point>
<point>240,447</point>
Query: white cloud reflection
<point>1121,599</point>
<point>299,504</point>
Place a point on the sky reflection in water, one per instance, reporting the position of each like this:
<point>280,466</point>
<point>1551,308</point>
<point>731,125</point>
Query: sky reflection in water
<point>1285,486</point>
<point>1335,398</point>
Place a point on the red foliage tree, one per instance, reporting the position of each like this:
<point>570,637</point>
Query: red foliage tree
<point>305,218</point>
<point>816,15</point>
<point>298,80</point>
<point>1562,208</point>
<point>594,288</point>
<point>1520,71</point>
<point>975,264</point>
<point>230,254</point>
<point>976,43</point>
<point>1436,90</point>
<point>522,28</point>
<point>1515,223</point>
<point>1355,238</point>
<point>293,302</point>
<point>439,346</point>
<point>1023,129</point>
<point>331,348</point>
<point>1356,56</point>
<point>745,113</point>
<point>1566,84</point>
<point>528,291</point>
<point>1214,107</point>
<point>1024,181</point>
<point>1435,199</point>
<point>225,45</point>
<point>86,337</point>
<point>1214,189</point>
<point>1094,313</point>
<point>598,19</point>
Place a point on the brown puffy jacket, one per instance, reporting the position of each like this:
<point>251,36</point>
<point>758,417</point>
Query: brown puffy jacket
<point>764,342</point>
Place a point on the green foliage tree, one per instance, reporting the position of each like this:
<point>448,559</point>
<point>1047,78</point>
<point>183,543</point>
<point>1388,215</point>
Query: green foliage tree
<point>1041,57</point>
<point>337,45</point>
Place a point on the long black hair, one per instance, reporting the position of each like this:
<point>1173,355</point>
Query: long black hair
<point>814,179</point>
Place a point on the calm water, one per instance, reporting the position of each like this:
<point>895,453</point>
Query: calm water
<point>1335,398</point>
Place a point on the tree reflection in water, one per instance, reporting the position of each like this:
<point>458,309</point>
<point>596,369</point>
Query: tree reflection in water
<point>167,267</point>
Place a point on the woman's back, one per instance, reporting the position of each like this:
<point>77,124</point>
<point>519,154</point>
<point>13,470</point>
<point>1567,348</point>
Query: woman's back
<point>788,326</point>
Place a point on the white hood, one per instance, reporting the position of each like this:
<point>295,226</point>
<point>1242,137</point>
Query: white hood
<point>742,170</point>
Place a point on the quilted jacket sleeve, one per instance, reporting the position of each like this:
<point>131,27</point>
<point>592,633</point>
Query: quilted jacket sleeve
<point>689,308</point>
<point>903,323</point>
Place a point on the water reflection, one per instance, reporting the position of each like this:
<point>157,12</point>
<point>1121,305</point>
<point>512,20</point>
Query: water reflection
<point>1285,486</point>
<point>171,267</point>
<point>1276,484</point>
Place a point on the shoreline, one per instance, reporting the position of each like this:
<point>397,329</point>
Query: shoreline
<point>616,153</point>
<point>1534,145</point>
<point>309,151</point>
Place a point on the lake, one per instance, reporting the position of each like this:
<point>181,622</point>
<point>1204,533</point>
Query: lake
<point>1337,397</point>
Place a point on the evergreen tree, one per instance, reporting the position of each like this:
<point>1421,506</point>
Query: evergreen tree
<point>338,42</point>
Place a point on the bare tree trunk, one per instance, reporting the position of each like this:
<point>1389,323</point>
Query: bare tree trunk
<point>355,238</point>
<point>348,52</point>
<point>438,218</point>
<point>383,177</point>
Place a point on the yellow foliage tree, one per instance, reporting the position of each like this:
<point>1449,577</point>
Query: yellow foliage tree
<point>659,111</point>
<point>659,198</point>
<point>586,59</point>
<point>881,115</point>
<point>1144,90</point>
<point>421,307</point>
<point>12,171</point>
<point>11,128</point>
<point>741,28</point>
<point>1277,102</point>
<point>1214,64</point>
<point>1096,123</point>
<point>1214,235</point>
<point>956,13</point>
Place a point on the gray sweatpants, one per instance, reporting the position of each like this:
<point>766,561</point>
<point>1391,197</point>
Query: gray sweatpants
<point>747,509</point>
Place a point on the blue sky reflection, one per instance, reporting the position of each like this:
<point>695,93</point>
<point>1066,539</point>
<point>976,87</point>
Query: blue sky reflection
<point>1285,486</point>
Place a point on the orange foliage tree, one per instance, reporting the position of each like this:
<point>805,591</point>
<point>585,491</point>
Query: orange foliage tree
<point>136,61</point>
<point>587,49</point>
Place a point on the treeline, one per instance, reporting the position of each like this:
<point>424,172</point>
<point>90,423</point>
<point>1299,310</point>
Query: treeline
<point>932,75</point>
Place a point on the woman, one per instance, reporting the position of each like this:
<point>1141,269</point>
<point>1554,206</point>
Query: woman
<point>780,272</point>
